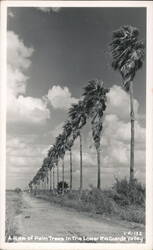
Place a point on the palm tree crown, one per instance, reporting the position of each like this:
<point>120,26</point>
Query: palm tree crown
<point>127,52</point>
<point>78,115</point>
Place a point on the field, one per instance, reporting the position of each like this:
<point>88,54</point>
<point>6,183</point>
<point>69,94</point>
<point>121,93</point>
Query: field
<point>13,209</point>
<point>112,213</point>
<point>118,209</point>
<point>48,217</point>
<point>123,201</point>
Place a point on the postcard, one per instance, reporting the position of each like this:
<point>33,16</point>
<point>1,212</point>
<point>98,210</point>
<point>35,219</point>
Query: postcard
<point>76,125</point>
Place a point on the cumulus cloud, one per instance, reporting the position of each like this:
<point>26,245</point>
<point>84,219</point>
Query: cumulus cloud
<point>118,103</point>
<point>115,141</point>
<point>48,10</point>
<point>60,98</point>
<point>120,130</point>
<point>115,145</point>
<point>21,108</point>
<point>18,54</point>
<point>87,158</point>
<point>24,157</point>
<point>30,110</point>
<point>25,147</point>
<point>115,152</point>
<point>10,13</point>
<point>57,130</point>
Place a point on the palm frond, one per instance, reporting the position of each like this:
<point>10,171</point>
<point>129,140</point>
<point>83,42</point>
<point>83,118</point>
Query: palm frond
<point>127,53</point>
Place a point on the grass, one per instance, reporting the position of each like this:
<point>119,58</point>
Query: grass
<point>133,214</point>
<point>13,208</point>
<point>124,200</point>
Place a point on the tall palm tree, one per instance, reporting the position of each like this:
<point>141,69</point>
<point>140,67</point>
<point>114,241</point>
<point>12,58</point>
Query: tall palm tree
<point>50,179</point>
<point>53,161</point>
<point>91,105</point>
<point>41,174</point>
<point>56,164</point>
<point>46,166</point>
<point>95,104</point>
<point>61,148</point>
<point>68,131</point>
<point>78,118</point>
<point>128,56</point>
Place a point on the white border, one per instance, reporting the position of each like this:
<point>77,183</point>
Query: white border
<point>149,124</point>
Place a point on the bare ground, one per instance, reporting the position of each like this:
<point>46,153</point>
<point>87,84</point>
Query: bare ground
<point>42,221</point>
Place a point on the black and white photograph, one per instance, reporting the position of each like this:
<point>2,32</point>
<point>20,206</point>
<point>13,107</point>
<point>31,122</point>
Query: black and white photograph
<point>76,114</point>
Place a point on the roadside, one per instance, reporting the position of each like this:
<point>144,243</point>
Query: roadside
<point>123,202</point>
<point>43,221</point>
<point>67,202</point>
<point>14,205</point>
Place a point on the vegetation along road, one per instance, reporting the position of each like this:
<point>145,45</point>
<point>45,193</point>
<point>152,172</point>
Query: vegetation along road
<point>43,221</point>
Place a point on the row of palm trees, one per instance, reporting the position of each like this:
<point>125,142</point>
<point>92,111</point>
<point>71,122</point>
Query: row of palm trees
<point>127,57</point>
<point>90,107</point>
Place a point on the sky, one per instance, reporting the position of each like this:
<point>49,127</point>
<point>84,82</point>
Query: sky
<point>52,53</point>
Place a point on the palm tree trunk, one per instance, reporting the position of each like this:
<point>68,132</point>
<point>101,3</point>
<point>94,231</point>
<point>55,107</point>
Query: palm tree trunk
<point>80,136</point>
<point>70,169</point>
<point>98,164</point>
<point>53,179</point>
<point>57,175</point>
<point>63,175</point>
<point>46,183</point>
<point>43,184</point>
<point>132,133</point>
<point>50,179</point>
<point>47,179</point>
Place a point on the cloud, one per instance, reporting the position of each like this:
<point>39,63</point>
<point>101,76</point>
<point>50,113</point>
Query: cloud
<point>57,130</point>
<point>25,155</point>
<point>24,158</point>
<point>48,10</point>
<point>56,9</point>
<point>116,135</point>
<point>115,146</point>
<point>60,98</point>
<point>25,147</point>
<point>120,130</point>
<point>88,159</point>
<point>118,103</point>
<point>21,108</point>
<point>10,14</point>
<point>27,110</point>
<point>18,54</point>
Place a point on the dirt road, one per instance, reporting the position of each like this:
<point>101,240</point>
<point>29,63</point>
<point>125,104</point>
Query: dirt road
<point>42,221</point>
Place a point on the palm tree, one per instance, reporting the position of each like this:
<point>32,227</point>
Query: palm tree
<point>78,118</point>
<point>95,104</point>
<point>50,178</point>
<point>46,166</point>
<point>53,159</point>
<point>68,131</point>
<point>41,174</point>
<point>30,186</point>
<point>92,105</point>
<point>61,148</point>
<point>128,56</point>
